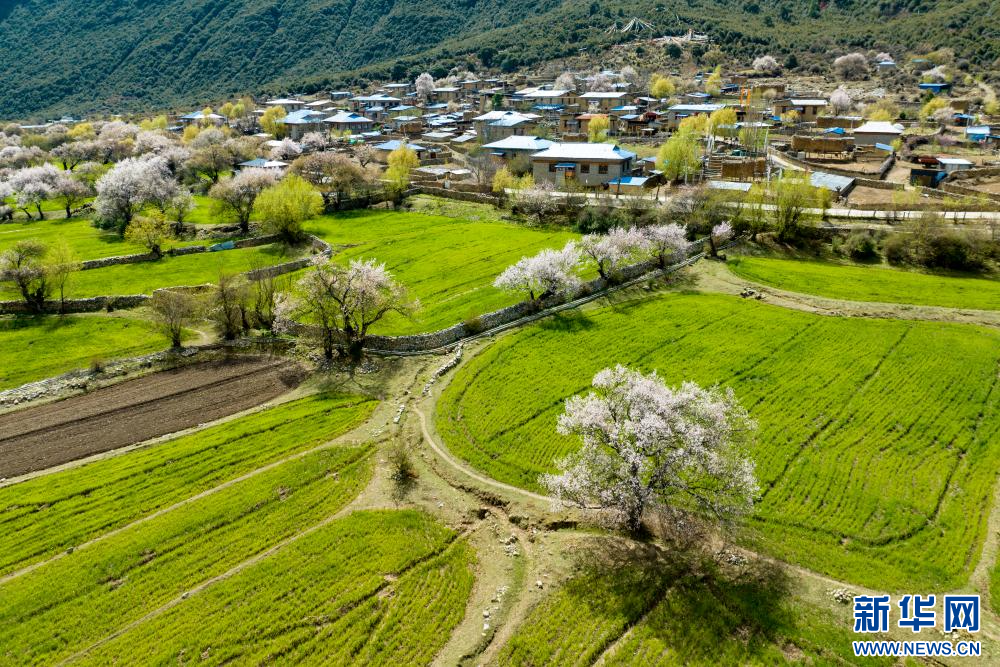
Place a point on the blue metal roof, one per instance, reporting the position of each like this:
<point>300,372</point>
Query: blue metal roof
<point>884,147</point>
<point>396,143</point>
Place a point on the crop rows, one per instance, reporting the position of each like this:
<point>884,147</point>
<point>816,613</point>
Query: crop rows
<point>857,283</point>
<point>374,587</point>
<point>51,513</point>
<point>877,440</point>
<point>70,603</point>
<point>449,264</point>
<point>648,611</point>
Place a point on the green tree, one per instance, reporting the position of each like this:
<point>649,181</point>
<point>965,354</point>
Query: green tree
<point>401,162</point>
<point>283,207</point>
<point>597,128</point>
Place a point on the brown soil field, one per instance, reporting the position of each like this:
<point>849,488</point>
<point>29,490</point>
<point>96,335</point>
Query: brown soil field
<point>137,410</point>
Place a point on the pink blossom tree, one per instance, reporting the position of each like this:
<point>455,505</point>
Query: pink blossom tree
<point>609,252</point>
<point>666,242</point>
<point>343,303</point>
<point>647,446</point>
<point>129,186</point>
<point>547,273</point>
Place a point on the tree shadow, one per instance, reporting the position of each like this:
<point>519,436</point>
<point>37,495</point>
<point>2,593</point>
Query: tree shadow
<point>705,608</point>
<point>568,321</point>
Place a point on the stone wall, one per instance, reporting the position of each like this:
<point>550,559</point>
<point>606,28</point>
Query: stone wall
<point>478,197</point>
<point>91,305</point>
<point>518,311</point>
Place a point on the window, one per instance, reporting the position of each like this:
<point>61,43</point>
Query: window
<point>552,167</point>
<point>584,168</point>
<point>602,169</point>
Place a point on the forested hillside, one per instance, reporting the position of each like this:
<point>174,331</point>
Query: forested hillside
<point>68,56</point>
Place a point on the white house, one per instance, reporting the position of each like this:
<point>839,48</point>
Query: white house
<point>588,164</point>
<point>877,132</point>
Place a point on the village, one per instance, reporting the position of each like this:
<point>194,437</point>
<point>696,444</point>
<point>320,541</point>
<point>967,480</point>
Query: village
<point>652,355</point>
<point>606,131</point>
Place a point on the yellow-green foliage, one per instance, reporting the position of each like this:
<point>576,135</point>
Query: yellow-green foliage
<point>372,588</point>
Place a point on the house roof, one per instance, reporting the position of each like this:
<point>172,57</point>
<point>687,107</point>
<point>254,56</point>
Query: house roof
<point>630,180</point>
<point>378,97</point>
<point>600,95</point>
<point>834,182</point>
<point>519,143</point>
<point>194,115</point>
<point>585,151</point>
<point>878,127</point>
<point>303,117</point>
<point>261,163</point>
<point>808,102</point>
<point>396,143</point>
<point>695,108</point>
<point>730,185</point>
<point>956,161</point>
<point>534,94</point>
<point>348,118</point>
<point>283,101</point>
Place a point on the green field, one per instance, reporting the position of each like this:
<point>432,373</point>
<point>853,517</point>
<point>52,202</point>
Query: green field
<point>144,277</point>
<point>449,264</point>
<point>38,347</point>
<point>87,241</point>
<point>878,439</point>
<point>860,283</point>
<point>49,514</point>
<point>242,524</point>
<point>676,619</point>
<point>373,588</point>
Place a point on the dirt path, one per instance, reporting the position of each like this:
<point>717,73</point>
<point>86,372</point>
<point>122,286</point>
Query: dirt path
<point>123,414</point>
<point>716,277</point>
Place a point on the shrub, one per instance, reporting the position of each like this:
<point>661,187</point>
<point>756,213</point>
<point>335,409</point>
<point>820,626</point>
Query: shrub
<point>896,249</point>
<point>473,325</point>
<point>860,246</point>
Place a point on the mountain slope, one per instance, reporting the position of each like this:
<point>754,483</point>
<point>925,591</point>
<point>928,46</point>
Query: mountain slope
<point>80,56</point>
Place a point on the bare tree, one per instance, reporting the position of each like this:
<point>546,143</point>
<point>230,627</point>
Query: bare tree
<point>173,310</point>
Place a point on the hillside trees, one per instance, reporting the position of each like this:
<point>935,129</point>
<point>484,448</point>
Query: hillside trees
<point>647,446</point>
<point>424,86</point>
<point>767,65</point>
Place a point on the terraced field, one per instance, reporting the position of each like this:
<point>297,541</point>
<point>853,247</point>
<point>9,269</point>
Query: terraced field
<point>36,347</point>
<point>144,277</point>
<point>241,523</point>
<point>447,263</point>
<point>860,283</point>
<point>878,440</point>
<point>373,588</point>
<point>87,241</point>
<point>50,514</point>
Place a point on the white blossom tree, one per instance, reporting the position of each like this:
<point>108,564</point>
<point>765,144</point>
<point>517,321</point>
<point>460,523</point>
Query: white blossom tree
<point>851,66</point>
<point>721,233</point>
<point>235,197</point>
<point>565,81</point>
<point>766,65</point>
<point>647,446</point>
<point>609,252</point>
<point>129,186</point>
<point>32,186</point>
<point>601,83</point>
<point>424,86</point>
<point>840,101</point>
<point>666,242</point>
<point>343,303</point>
<point>547,273</point>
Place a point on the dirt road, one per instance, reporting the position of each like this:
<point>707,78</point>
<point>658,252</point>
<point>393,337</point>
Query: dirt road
<point>137,410</point>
